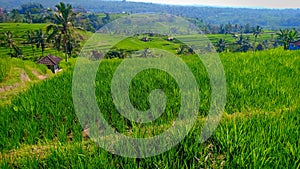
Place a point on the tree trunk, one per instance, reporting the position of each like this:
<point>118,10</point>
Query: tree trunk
<point>254,49</point>
<point>66,52</point>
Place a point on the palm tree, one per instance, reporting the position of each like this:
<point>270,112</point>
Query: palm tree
<point>40,40</point>
<point>28,17</point>
<point>286,36</point>
<point>56,41</point>
<point>258,31</point>
<point>8,42</point>
<point>293,35</point>
<point>72,46</point>
<point>63,26</point>
<point>31,40</point>
<point>243,43</point>
<point>282,35</point>
<point>221,45</point>
<point>16,15</point>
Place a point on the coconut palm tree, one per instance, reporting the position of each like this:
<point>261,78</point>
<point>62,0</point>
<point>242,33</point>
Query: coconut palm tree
<point>56,41</point>
<point>15,15</point>
<point>8,42</point>
<point>63,27</point>
<point>282,36</point>
<point>28,17</point>
<point>286,36</point>
<point>30,36</point>
<point>257,32</point>
<point>243,43</point>
<point>221,45</point>
<point>40,40</point>
<point>293,35</point>
<point>73,46</point>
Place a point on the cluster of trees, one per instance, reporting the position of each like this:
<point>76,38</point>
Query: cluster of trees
<point>37,13</point>
<point>28,13</point>
<point>273,19</point>
<point>267,18</point>
<point>61,34</point>
<point>242,43</point>
<point>211,20</point>
<point>8,42</point>
<point>224,28</point>
<point>92,22</point>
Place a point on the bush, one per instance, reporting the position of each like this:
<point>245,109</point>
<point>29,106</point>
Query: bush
<point>116,53</point>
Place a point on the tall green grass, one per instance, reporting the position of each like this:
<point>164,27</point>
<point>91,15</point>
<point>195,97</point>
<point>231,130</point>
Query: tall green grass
<point>14,73</point>
<point>5,68</point>
<point>259,140</point>
<point>260,128</point>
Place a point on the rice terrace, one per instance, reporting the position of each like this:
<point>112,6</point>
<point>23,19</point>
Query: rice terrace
<point>123,84</point>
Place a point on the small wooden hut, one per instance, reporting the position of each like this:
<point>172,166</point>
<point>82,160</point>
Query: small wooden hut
<point>145,39</point>
<point>170,38</point>
<point>51,62</point>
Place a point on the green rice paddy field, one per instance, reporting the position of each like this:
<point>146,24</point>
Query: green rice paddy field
<point>19,36</point>
<point>19,31</point>
<point>259,127</point>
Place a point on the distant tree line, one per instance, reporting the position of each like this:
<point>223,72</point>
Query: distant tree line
<point>63,32</point>
<point>271,19</point>
<point>228,28</point>
<point>36,13</point>
<point>242,43</point>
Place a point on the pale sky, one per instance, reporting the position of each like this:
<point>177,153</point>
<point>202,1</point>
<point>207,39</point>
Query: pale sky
<point>232,3</point>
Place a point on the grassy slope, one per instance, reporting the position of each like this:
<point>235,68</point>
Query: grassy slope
<point>16,66</point>
<point>17,73</point>
<point>263,130</point>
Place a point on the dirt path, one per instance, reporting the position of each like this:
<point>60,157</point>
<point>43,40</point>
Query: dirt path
<point>39,76</point>
<point>24,78</point>
<point>6,88</point>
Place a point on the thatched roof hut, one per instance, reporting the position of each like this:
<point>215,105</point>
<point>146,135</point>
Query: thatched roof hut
<point>51,62</point>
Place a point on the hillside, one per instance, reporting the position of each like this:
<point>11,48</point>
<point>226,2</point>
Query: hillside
<point>17,75</point>
<point>268,18</point>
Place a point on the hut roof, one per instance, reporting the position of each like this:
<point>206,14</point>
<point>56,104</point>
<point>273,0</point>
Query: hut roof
<point>50,60</point>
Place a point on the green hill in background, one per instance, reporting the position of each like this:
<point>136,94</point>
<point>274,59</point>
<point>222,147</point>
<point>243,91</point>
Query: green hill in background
<point>268,18</point>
